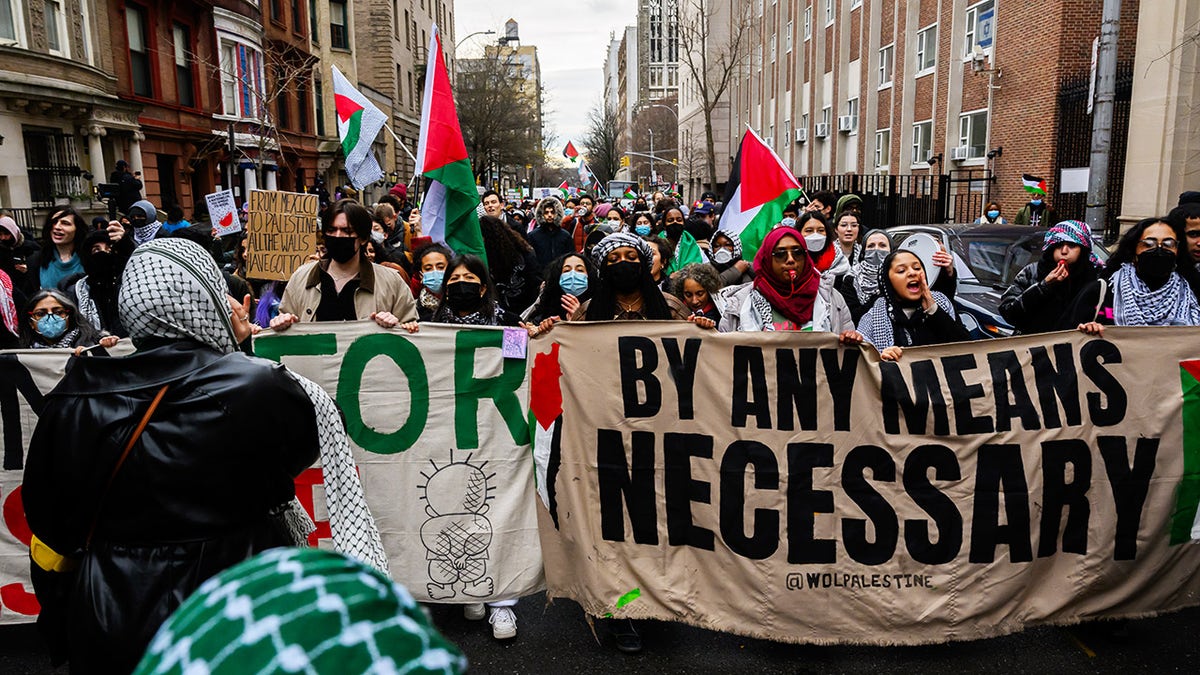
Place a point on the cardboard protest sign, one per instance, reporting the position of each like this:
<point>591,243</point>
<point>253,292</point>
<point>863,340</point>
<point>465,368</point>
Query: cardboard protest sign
<point>778,486</point>
<point>281,233</point>
<point>222,213</point>
<point>438,427</point>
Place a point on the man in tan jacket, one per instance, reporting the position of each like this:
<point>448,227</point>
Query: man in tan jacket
<point>344,286</point>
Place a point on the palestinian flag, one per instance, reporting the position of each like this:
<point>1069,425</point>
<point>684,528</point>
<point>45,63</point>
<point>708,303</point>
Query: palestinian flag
<point>563,187</point>
<point>687,251</point>
<point>760,186</point>
<point>570,152</point>
<point>358,123</point>
<point>1033,185</point>
<point>448,211</point>
<point>1184,525</point>
<point>630,194</point>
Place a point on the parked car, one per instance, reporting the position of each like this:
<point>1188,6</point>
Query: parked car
<point>986,260</point>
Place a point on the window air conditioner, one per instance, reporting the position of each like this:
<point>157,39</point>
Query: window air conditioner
<point>802,135</point>
<point>960,153</point>
<point>821,130</point>
<point>847,123</point>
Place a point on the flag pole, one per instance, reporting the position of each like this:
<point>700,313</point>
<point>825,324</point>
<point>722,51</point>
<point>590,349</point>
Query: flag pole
<point>406,151</point>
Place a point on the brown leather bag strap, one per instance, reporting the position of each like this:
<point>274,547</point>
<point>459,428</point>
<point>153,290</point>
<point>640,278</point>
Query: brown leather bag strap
<point>133,439</point>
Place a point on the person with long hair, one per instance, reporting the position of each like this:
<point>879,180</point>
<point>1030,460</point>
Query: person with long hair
<point>52,321</point>
<point>1149,281</point>
<point>641,223</point>
<point>846,229</point>
<point>626,289</point>
<point>62,237</point>
<point>512,265</point>
<point>670,222</point>
<point>786,294</point>
<point>876,245</point>
<point>96,292</point>
<point>569,282</point>
<point>468,297</point>
<point>1043,289</point>
<point>430,263</point>
<point>908,313</point>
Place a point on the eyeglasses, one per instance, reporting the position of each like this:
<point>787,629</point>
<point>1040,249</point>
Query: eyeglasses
<point>1151,243</point>
<point>61,312</point>
<point>782,254</point>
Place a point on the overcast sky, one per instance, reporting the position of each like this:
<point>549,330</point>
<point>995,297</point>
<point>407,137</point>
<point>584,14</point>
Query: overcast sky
<point>572,39</point>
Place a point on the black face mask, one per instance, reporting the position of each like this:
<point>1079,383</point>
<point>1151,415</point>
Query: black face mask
<point>673,230</point>
<point>463,296</point>
<point>340,249</point>
<point>625,276</point>
<point>137,221</point>
<point>1156,265</point>
<point>100,266</point>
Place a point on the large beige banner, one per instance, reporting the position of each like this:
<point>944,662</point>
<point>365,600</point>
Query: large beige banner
<point>778,486</point>
<point>438,428</point>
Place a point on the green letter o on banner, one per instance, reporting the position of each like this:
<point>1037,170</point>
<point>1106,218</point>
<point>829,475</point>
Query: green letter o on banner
<point>405,355</point>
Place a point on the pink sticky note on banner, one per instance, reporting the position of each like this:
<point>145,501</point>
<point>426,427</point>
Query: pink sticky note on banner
<point>516,340</point>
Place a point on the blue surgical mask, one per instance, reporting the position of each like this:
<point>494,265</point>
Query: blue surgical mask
<point>1035,202</point>
<point>642,230</point>
<point>573,282</point>
<point>992,215</point>
<point>787,222</point>
<point>433,280</point>
<point>52,326</point>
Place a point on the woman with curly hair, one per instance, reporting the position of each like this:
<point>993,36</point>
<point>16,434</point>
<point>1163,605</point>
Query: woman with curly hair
<point>511,263</point>
<point>697,285</point>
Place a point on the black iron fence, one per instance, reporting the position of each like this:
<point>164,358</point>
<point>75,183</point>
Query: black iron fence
<point>52,164</point>
<point>1074,134</point>
<point>913,199</point>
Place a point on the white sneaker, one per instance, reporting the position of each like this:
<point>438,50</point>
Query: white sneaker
<point>504,623</point>
<point>474,611</point>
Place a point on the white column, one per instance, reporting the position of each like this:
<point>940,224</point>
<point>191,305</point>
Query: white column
<point>249,182</point>
<point>271,179</point>
<point>135,155</point>
<point>94,133</point>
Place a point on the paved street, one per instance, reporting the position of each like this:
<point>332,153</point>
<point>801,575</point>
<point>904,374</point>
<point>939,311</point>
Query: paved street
<point>556,639</point>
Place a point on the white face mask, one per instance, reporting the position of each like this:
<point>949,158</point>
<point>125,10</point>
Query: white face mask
<point>722,256</point>
<point>815,242</point>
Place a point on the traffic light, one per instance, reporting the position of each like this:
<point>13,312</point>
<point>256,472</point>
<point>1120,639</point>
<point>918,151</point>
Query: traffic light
<point>624,160</point>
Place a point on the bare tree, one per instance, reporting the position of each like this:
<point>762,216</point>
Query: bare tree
<point>500,125</point>
<point>655,130</point>
<point>600,142</point>
<point>712,37</point>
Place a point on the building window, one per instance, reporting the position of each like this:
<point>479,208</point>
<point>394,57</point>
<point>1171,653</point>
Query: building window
<point>826,115</point>
<point>852,113</point>
<point>277,11</point>
<point>241,80</point>
<point>760,8</point>
<point>787,132</point>
<point>922,137</point>
<point>407,32</point>
<point>885,66</point>
<point>972,132</point>
<point>302,105</point>
<point>181,37</point>
<point>319,102</point>
<point>339,37</point>
<point>977,32</point>
<point>787,40</point>
<point>51,164</point>
<point>808,22</point>
<point>772,49</point>
<point>883,149</point>
<point>926,50</point>
<point>283,117</point>
<point>855,4</point>
<point>828,13</point>
<point>297,18</point>
<point>314,35</point>
<point>57,40</point>
<point>139,53</point>
<point>11,32</point>
<point>804,121</point>
<point>85,20</point>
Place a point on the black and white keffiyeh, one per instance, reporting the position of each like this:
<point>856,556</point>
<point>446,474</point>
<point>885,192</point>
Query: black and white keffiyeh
<point>878,325</point>
<point>87,306</point>
<point>173,289</point>
<point>67,341</point>
<point>1135,304</point>
<point>866,275</point>
<point>618,240</point>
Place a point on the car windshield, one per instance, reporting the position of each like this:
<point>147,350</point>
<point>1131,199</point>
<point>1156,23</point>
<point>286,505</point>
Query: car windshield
<point>995,260</point>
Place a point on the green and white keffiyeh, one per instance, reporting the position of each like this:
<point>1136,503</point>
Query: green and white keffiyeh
<point>300,611</point>
<point>173,289</point>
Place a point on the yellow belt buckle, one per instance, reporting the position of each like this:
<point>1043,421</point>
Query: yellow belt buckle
<point>48,559</point>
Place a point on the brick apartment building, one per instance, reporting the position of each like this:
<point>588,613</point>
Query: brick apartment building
<point>925,91</point>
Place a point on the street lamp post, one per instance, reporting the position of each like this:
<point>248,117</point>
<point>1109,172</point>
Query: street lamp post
<point>478,32</point>
<point>653,180</point>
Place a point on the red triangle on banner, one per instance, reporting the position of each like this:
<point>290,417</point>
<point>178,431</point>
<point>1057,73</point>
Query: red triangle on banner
<point>763,177</point>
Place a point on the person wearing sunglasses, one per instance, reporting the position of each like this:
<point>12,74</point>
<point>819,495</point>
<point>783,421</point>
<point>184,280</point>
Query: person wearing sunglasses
<point>1149,281</point>
<point>786,294</point>
<point>52,321</point>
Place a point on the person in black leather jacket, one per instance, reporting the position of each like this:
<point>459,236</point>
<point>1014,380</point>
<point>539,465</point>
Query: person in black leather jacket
<point>205,485</point>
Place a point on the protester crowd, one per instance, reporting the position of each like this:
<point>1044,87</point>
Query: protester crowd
<point>829,265</point>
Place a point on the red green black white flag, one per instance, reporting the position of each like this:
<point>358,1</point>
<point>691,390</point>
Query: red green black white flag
<point>1033,184</point>
<point>448,211</point>
<point>358,123</point>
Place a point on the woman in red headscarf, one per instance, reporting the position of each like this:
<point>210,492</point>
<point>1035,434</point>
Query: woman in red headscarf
<point>786,293</point>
